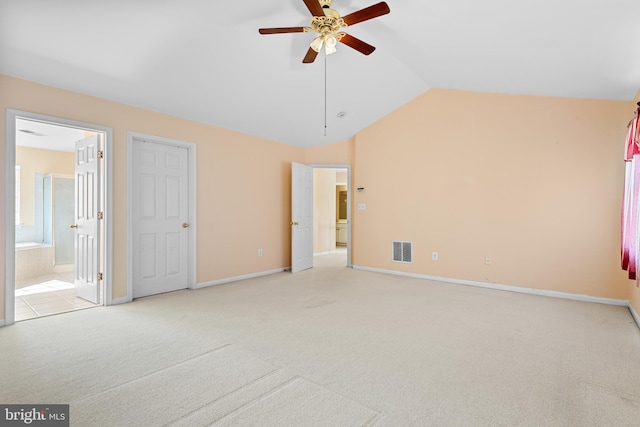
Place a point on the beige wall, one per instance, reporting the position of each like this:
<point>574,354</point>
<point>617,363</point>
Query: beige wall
<point>33,161</point>
<point>235,216</point>
<point>341,153</point>
<point>324,210</point>
<point>534,183</point>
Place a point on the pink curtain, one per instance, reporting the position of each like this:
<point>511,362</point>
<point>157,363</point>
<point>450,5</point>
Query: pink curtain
<point>629,237</point>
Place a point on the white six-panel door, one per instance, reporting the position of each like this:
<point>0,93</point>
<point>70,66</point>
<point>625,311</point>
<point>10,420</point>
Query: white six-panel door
<point>160,218</point>
<point>301,217</point>
<point>87,206</point>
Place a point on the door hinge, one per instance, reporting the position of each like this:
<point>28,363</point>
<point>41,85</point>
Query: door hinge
<point>100,215</point>
<point>101,154</point>
<point>99,276</point>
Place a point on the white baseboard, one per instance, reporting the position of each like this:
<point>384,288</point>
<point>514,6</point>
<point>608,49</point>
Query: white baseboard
<point>2,323</point>
<point>121,300</point>
<point>238,278</point>
<point>532,291</point>
<point>634,313</point>
<point>125,300</point>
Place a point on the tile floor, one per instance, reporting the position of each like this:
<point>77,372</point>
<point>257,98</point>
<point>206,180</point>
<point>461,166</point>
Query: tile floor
<point>47,298</point>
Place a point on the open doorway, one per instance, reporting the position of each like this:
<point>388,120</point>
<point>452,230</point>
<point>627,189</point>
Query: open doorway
<point>58,243</point>
<point>330,216</point>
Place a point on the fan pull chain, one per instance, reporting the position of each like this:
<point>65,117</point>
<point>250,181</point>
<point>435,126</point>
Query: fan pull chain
<point>325,95</point>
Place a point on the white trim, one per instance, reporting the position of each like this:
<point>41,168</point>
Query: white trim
<point>129,296</point>
<point>349,197</point>
<point>495,286</point>
<point>634,314</point>
<point>238,278</point>
<point>17,199</point>
<point>108,215</point>
<point>10,220</point>
<point>107,201</point>
<point>122,300</point>
<point>191,155</point>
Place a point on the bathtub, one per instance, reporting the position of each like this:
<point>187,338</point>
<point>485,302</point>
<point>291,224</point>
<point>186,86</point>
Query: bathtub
<point>33,259</point>
<point>29,245</point>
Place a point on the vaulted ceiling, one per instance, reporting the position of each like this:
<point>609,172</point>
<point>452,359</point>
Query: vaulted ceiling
<point>204,59</point>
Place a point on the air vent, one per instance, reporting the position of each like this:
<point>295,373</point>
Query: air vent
<point>402,251</point>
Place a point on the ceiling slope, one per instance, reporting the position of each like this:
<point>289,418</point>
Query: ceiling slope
<point>205,61</point>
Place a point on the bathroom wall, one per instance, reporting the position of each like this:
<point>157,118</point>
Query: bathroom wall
<point>32,161</point>
<point>35,165</point>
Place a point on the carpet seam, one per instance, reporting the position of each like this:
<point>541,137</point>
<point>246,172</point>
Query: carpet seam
<point>634,398</point>
<point>151,374</point>
<point>257,380</point>
<point>376,419</point>
<point>344,396</point>
<point>263,396</point>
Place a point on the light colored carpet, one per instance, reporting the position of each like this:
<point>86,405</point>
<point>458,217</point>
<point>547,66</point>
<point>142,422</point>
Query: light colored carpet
<point>331,346</point>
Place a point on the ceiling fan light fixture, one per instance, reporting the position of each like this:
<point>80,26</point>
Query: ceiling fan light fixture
<point>316,44</point>
<point>330,43</point>
<point>328,23</point>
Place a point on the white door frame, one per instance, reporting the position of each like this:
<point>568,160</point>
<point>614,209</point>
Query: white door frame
<point>349,196</point>
<point>10,231</point>
<point>191,155</point>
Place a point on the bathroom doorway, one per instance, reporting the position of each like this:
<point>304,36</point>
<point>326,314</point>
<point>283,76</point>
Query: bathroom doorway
<point>51,198</point>
<point>331,206</point>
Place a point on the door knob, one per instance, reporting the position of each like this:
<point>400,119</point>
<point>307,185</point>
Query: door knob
<point>294,223</point>
<point>185,225</point>
<point>73,226</point>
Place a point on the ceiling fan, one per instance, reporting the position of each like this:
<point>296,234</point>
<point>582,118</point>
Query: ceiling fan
<point>328,23</point>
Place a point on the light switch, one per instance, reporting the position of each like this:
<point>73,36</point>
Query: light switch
<point>362,206</point>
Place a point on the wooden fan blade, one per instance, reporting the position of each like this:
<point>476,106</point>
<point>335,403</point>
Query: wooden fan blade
<point>357,44</point>
<point>314,7</point>
<point>367,13</point>
<point>310,56</point>
<point>281,30</point>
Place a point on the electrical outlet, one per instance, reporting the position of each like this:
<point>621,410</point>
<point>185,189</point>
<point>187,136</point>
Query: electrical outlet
<point>487,260</point>
<point>434,256</point>
<point>260,252</point>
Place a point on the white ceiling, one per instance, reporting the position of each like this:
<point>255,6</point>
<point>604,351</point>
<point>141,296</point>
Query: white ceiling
<point>204,59</point>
